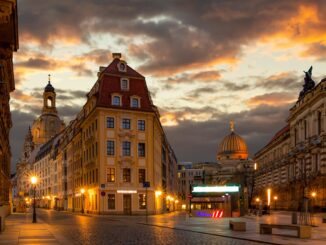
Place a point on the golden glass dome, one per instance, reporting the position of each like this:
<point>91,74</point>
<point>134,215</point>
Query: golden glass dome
<point>232,147</point>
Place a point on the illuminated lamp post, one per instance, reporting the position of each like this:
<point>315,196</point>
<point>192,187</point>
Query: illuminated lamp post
<point>313,194</point>
<point>82,191</point>
<point>34,182</point>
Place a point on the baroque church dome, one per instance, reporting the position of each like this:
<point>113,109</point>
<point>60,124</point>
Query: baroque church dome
<point>232,147</point>
<point>48,124</point>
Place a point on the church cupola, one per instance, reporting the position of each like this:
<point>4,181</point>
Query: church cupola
<point>49,99</point>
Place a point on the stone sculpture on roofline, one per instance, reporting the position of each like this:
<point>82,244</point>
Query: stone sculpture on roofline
<point>308,83</point>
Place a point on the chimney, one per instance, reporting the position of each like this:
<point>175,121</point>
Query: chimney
<point>116,55</point>
<point>101,69</point>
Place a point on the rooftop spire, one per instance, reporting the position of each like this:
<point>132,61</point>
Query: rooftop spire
<point>231,125</point>
<point>49,78</point>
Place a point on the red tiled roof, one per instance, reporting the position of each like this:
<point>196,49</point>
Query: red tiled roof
<point>110,83</point>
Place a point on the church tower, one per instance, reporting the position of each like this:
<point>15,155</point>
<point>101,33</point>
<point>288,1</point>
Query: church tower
<point>49,99</point>
<point>48,124</point>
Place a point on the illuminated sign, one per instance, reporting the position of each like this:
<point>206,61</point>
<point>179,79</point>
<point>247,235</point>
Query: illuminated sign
<point>127,191</point>
<point>217,214</point>
<point>210,189</point>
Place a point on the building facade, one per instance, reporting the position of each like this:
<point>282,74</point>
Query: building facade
<point>231,168</point>
<point>114,157</point>
<point>293,163</point>
<point>8,44</point>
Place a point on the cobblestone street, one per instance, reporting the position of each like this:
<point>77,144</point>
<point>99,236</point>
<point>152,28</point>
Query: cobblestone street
<point>65,228</point>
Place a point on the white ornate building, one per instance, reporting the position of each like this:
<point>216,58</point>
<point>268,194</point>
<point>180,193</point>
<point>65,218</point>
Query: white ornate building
<point>293,163</point>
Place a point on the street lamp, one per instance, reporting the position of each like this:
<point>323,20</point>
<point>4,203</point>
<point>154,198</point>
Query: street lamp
<point>82,191</point>
<point>34,181</point>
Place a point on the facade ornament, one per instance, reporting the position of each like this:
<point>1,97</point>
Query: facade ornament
<point>308,83</point>
<point>6,7</point>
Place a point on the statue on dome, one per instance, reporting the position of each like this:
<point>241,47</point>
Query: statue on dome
<point>308,83</point>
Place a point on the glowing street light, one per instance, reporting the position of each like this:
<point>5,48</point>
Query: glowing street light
<point>269,196</point>
<point>257,199</point>
<point>34,182</point>
<point>82,191</point>
<point>158,193</point>
<point>313,194</point>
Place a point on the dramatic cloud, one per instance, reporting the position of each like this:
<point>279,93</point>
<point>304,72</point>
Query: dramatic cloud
<point>275,99</point>
<point>198,140</point>
<point>179,34</point>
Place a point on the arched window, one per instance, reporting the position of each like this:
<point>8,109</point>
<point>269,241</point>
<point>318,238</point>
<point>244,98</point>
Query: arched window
<point>49,102</point>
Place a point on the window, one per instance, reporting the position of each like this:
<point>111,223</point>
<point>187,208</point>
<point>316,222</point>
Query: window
<point>141,125</point>
<point>110,148</point>
<point>111,201</point>
<point>142,201</point>
<point>141,149</point>
<point>126,123</point>
<point>124,83</point>
<point>319,123</point>
<point>110,122</point>
<point>126,175</point>
<point>142,175</point>
<point>110,175</point>
<point>116,100</point>
<point>135,102</point>
<point>305,130</point>
<point>122,66</point>
<point>126,145</point>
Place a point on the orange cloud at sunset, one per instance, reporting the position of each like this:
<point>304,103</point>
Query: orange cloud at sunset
<point>272,99</point>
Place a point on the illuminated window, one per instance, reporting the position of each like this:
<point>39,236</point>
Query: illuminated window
<point>142,175</point>
<point>110,175</point>
<point>142,201</point>
<point>141,125</point>
<point>126,175</point>
<point>111,201</point>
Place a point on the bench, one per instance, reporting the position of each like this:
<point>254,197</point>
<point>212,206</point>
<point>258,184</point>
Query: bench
<point>303,231</point>
<point>237,225</point>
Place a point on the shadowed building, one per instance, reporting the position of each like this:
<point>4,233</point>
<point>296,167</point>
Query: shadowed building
<point>293,163</point>
<point>8,44</point>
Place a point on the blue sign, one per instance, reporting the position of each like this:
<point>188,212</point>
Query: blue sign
<point>146,184</point>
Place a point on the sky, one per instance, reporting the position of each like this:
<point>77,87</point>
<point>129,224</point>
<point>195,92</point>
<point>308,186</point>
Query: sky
<point>205,62</point>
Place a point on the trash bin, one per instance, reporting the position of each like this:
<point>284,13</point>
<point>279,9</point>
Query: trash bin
<point>294,218</point>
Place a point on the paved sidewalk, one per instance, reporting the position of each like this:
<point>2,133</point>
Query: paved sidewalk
<point>20,230</point>
<point>220,227</point>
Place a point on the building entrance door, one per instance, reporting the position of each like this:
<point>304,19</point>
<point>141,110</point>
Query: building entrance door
<point>127,204</point>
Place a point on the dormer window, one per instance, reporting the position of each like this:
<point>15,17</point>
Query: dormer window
<point>116,100</point>
<point>122,66</point>
<point>135,102</point>
<point>124,83</point>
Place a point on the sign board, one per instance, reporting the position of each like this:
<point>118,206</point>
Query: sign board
<point>102,193</point>
<point>102,186</point>
<point>146,184</point>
